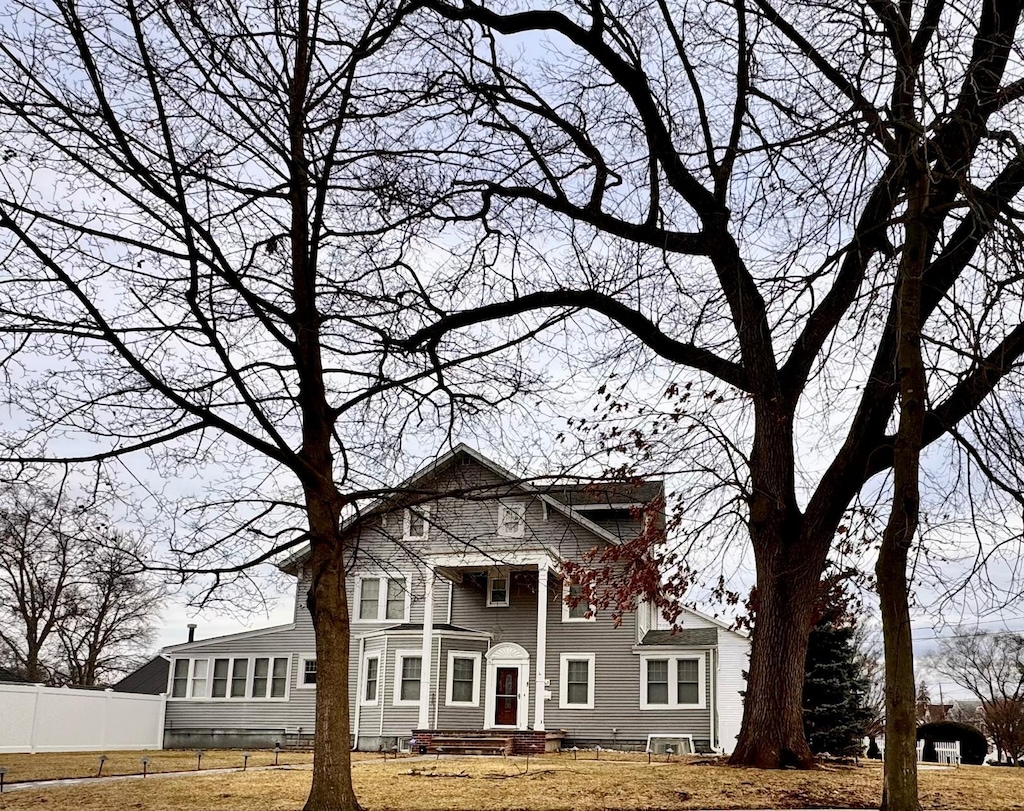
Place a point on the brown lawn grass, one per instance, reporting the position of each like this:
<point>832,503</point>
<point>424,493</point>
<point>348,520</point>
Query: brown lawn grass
<point>56,765</point>
<point>553,783</point>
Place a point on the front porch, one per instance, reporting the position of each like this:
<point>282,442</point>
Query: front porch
<point>513,680</point>
<point>486,741</point>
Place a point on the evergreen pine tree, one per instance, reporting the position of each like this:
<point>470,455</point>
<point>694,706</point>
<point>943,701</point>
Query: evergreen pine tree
<point>836,709</point>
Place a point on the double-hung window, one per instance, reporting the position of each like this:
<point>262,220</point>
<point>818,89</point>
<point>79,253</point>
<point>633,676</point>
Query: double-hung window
<point>383,599</point>
<point>189,678</point>
<point>576,677</point>
<point>497,588</point>
<point>408,677</point>
<point>307,671</point>
<point>576,603</point>
<point>672,681</point>
<point>463,679</point>
<point>179,683</point>
<point>256,678</point>
<point>371,679</point>
<point>270,677</point>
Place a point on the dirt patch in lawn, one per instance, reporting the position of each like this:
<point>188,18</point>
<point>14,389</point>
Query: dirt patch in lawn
<point>553,783</point>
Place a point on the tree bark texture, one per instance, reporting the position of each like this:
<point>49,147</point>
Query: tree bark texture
<point>899,792</point>
<point>789,568</point>
<point>332,788</point>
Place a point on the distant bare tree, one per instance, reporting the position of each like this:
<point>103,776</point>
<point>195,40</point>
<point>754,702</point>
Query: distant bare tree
<point>76,606</point>
<point>108,628</point>
<point>991,667</point>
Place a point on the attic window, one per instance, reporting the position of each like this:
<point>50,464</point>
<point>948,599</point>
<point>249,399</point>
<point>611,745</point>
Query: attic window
<point>416,523</point>
<point>511,520</point>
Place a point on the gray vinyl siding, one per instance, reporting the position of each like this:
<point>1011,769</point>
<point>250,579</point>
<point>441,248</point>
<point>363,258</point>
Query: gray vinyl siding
<point>464,524</point>
<point>617,685</point>
<point>298,711</point>
<point>461,718</point>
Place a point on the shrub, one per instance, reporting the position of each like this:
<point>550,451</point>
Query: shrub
<point>973,744</point>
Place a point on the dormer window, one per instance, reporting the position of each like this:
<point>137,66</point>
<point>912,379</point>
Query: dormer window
<point>511,520</point>
<point>416,523</point>
<point>497,589</point>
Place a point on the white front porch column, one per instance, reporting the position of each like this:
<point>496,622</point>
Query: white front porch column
<point>542,645</point>
<point>428,647</point>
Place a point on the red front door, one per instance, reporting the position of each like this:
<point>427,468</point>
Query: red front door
<point>506,697</point>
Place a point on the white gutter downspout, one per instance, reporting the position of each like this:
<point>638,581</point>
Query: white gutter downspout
<point>714,695</point>
<point>359,681</point>
<point>384,680</point>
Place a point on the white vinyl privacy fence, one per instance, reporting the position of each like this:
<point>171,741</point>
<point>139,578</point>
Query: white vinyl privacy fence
<point>58,719</point>
<point>947,752</point>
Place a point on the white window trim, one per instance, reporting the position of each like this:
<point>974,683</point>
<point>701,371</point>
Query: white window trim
<point>382,599</point>
<point>189,675</point>
<point>249,674</point>
<point>673,681</point>
<point>396,694</point>
<point>517,508</point>
<point>502,573</point>
<point>270,676</point>
<point>563,680</point>
<point>565,606</point>
<point>477,658</point>
<point>363,681</point>
<point>423,510</point>
<point>301,672</point>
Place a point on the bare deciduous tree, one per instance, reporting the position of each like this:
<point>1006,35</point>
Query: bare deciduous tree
<point>205,253</point>
<point>808,213</point>
<point>991,667</point>
<point>76,606</point>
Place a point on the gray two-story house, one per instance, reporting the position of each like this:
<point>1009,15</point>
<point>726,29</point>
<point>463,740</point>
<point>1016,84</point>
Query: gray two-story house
<point>462,631</point>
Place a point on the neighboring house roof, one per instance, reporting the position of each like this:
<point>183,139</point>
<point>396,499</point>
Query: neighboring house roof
<point>683,638</point>
<point>290,563</point>
<point>150,679</point>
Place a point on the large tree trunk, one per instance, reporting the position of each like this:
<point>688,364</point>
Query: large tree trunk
<point>899,791</point>
<point>332,766</point>
<point>789,569</point>
<point>772,734</point>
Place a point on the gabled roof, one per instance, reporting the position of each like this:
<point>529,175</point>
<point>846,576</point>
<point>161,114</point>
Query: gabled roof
<point>292,561</point>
